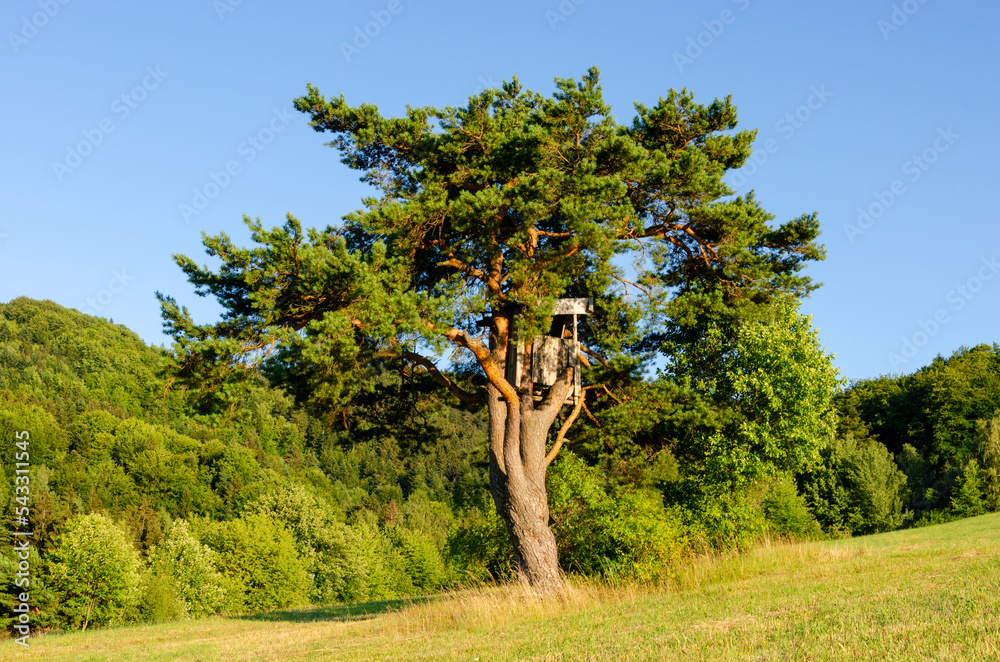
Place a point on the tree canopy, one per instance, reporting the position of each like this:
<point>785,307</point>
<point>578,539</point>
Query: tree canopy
<point>512,199</point>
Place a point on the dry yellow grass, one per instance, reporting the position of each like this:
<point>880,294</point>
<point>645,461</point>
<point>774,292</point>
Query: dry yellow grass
<point>927,594</point>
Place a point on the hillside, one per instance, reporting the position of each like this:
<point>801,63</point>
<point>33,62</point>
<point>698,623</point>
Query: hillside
<point>239,500</point>
<point>923,594</point>
<point>109,437</point>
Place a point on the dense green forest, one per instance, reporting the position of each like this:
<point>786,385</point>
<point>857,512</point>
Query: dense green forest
<point>151,501</point>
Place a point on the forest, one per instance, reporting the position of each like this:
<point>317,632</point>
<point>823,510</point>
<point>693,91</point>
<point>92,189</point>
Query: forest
<point>264,506</point>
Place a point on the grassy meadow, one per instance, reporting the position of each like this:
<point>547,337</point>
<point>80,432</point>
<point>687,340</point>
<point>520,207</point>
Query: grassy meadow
<point>920,594</point>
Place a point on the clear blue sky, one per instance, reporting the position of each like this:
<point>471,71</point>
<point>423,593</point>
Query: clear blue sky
<point>114,113</point>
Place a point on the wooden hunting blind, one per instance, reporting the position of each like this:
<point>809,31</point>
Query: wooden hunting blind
<point>553,353</point>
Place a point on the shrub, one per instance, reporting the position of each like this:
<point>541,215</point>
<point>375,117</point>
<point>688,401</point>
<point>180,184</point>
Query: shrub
<point>988,447</point>
<point>36,582</point>
<point>159,603</point>
<point>787,512</point>
<point>329,548</point>
<point>967,493</point>
<point>262,570</point>
<point>423,561</point>
<point>933,517</point>
<point>479,547</point>
<point>628,534</point>
<point>857,488</point>
<point>385,565</point>
<point>919,476</point>
<point>183,572</point>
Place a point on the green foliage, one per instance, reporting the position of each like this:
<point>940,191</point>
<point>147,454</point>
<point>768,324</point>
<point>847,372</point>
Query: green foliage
<point>787,511</point>
<point>328,548</point>
<point>159,602</point>
<point>33,579</point>
<point>260,564</point>
<point>628,534</point>
<point>385,564</point>
<point>771,382</point>
<point>934,517</point>
<point>47,441</point>
<point>95,571</point>
<point>424,564</point>
<point>964,389</point>
<point>934,421</point>
<point>934,409</point>
<point>184,574</point>
<point>988,451</point>
<point>967,494</point>
<point>856,488</point>
<point>479,547</point>
<point>919,477</point>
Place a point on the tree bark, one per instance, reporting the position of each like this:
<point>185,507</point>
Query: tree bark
<point>517,435</point>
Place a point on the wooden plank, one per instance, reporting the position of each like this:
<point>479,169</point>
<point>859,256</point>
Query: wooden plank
<point>581,306</point>
<point>551,356</point>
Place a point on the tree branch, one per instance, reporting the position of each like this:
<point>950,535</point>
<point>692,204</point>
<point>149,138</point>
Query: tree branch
<point>485,359</point>
<point>626,282</point>
<point>472,272</point>
<point>442,379</point>
<point>561,435</point>
<point>597,356</point>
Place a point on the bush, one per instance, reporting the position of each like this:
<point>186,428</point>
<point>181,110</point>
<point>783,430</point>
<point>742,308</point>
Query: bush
<point>967,494</point>
<point>856,488</point>
<point>988,448</point>
<point>787,512</point>
<point>183,574</point>
<point>262,570</point>
<point>95,572</point>
<point>386,575</point>
<point>329,548</point>
<point>479,547</point>
<point>36,582</point>
<point>423,561</point>
<point>934,517</point>
<point>919,476</point>
<point>727,521</point>
<point>630,534</point>
<point>159,603</point>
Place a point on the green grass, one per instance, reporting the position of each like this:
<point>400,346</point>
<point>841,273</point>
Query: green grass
<point>922,594</point>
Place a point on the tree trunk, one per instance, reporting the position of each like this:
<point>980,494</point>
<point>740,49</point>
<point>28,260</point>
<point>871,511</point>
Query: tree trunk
<point>517,433</point>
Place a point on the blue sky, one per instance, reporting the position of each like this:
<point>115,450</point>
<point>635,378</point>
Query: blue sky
<point>880,116</point>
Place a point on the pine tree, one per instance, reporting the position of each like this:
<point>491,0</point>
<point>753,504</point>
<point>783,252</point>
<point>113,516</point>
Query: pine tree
<point>487,214</point>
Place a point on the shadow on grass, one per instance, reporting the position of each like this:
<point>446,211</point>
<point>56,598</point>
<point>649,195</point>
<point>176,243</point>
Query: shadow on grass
<point>352,612</point>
